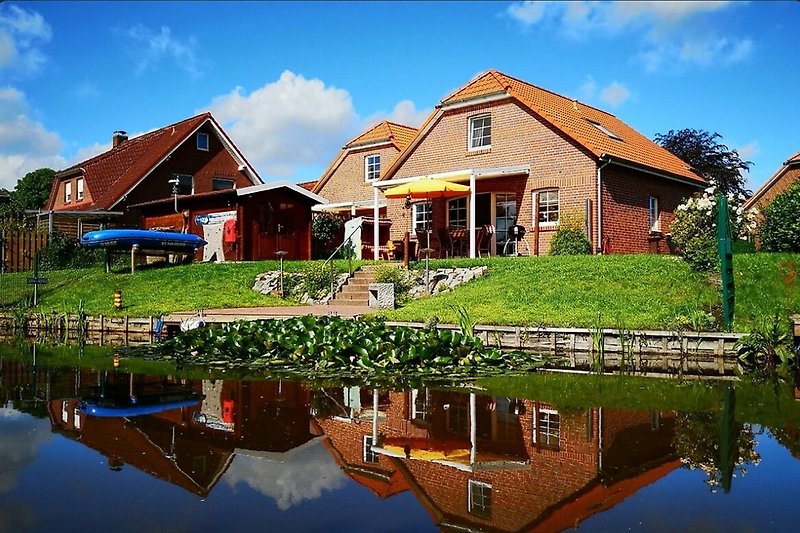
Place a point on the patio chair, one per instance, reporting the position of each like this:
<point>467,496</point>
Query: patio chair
<point>424,245</point>
<point>446,245</point>
<point>485,240</point>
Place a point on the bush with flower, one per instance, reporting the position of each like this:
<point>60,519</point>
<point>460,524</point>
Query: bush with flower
<point>694,230</point>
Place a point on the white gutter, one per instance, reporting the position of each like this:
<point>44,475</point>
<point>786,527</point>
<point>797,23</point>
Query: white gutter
<point>376,226</point>
<point>600,204</point>
<point>458,175</point>
<point>476,101</point>
<point>345,206</point>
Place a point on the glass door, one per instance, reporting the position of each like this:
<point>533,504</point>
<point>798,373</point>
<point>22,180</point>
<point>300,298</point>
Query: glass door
<point>505,217</point>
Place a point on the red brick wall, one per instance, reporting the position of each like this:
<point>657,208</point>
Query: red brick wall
<point>789,178</point>
<point>347,182</point>
<point>625,208</point>
<point>518,138</point>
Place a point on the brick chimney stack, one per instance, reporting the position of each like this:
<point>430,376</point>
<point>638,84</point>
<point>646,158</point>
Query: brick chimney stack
<point>118,138</point>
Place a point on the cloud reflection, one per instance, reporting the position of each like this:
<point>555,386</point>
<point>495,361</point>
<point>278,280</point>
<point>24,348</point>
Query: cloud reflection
<point>303,476</point>
<point>20,438</point>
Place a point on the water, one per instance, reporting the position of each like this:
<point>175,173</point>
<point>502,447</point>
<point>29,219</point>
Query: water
<point>549,453</point>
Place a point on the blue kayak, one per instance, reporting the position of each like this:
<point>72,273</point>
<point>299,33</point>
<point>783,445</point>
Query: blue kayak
<point>132,409</point>
<point>125,239</point>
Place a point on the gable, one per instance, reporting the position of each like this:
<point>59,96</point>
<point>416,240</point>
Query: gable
<point>115,173</point>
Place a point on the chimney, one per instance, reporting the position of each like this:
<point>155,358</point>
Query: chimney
<point>118,138</point>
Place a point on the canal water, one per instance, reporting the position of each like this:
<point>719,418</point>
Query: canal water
<point>86,446</point>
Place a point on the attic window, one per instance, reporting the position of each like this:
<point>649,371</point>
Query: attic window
<point>604,129</point>
<point>202,141</point>
<point>372,167</point>
<point>79,191</point>
<point>222,184</point>
<point>480,132</point>
<point>67,192</point>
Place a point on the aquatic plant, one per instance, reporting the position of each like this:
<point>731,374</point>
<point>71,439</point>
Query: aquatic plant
<point>331,345</point>
<point>767,344</point>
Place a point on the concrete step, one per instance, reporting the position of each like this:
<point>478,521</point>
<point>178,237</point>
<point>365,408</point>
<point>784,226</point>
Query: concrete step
<point>352,296</point>
<point>359,282</point>
<point>359,303</point>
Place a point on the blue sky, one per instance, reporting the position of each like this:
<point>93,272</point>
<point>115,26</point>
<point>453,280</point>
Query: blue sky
<point>291,82</point>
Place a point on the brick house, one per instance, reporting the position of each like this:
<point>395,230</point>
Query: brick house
<point>195,153</point>
<point>534,158</point>
<point>347,182</point>
<point>784,177</point>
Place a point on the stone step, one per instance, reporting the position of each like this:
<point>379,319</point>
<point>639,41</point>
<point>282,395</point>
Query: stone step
<point>353,296</point>
<point>359,281</point>
<point>360,303</point>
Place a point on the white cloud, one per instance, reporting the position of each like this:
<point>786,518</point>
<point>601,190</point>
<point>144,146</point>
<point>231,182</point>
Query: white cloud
<point>288,123</point>
<point>304,476</point>
<point>613,94</point>
<point>23,435</point>
<point>668,32</point>
<point>21,34</point>
<point>749,150</point>
<point>405,112</point>
<point>25,144</point>
<point>150,48</point>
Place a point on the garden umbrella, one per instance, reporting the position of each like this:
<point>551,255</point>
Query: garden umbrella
<point>427,189</point>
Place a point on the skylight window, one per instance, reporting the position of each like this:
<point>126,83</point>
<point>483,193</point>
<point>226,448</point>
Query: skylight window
<point>604,129</point>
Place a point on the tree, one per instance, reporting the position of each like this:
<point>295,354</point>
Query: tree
<point>780,229</point>
<point>717,163</point>
<point>33,189</point>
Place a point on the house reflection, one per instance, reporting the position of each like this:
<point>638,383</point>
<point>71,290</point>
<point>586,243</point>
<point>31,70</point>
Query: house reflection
<point>473,461</point>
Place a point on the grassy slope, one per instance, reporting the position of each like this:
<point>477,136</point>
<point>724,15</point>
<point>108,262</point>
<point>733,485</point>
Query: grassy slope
<point>636,291</point>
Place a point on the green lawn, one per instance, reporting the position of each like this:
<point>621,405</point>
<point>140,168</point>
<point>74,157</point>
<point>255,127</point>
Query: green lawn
<point>633,291</point>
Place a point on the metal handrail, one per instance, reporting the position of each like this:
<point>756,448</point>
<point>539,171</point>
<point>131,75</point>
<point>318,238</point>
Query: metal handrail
<point>336,251</point>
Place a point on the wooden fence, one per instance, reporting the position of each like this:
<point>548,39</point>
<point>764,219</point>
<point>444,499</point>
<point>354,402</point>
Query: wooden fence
<point>18,249</point>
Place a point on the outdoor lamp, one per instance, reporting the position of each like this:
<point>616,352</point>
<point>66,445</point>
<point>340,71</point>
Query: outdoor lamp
<point>407,203</point>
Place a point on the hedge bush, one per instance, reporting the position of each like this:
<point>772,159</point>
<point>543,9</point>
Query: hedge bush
<point>780,229</point>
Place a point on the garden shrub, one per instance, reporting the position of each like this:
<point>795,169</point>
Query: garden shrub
<point>326,229</point>
<point>391,274</point>
<point>316,279</point>
<point>64,252</point>
<point>570,238</point>
<point>694,230</point>
<point>780,229</point>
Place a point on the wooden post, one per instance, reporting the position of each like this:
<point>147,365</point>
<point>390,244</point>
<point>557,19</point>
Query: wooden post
<point>406,248</point>
<point>134,249</point>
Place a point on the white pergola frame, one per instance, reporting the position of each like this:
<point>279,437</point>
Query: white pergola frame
<point>469,175</point>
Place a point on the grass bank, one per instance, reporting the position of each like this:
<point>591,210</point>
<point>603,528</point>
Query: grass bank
<point>632,291</point>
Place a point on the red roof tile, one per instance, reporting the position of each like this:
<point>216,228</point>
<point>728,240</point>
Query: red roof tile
<point>583,123</point>
<point>111,174</point>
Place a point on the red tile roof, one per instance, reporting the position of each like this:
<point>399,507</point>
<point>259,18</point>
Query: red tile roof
<point>308,185</point>
<point>398,135</point>
<point>111,174</point>
<point>577,120</point>
<point>775,178</point>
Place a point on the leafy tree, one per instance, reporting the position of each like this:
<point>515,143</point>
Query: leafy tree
<point>33,189</point>
<point>717,163</point>
<point>780,229</point>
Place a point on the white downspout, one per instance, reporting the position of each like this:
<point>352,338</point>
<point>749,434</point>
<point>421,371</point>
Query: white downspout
<point>472,215</point>
<point>376,212</point>
<point>600,204</point>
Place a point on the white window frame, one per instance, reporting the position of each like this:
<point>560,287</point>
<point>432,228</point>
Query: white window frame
<point>548,207</point>
<point>79,189</point>
<point>537,427</point>
<point>207,144</point>
<point>604,130</point>
<point>67,192</point>
<point>471,146</point>
<point>372,167</point>
<point>368,455</point>
<point>653,214</point>
<point>217,179</point>
<point>460,223</point>
<point>485,510</point>
<point>421,216</point>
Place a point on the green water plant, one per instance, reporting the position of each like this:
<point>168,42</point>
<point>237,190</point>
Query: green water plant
<point>768,345</point>
<point>326,346</point>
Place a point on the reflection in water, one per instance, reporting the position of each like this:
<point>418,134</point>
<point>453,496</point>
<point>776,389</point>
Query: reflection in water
<point>472,461</point>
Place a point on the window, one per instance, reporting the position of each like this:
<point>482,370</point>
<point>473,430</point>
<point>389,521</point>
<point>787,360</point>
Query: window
<point>79,191</point>
<point>548,207</point>
<point>547,428</point>
<point>372,167</point>
<point>480,132</point>
<point>202,141</point>
<point>67,192</point>
<point>480,499</point>
<point>222,184</point>
<point>604,129</point>
<point>421,216</point>
<point>457,418</point>
<point>185,183</point>
<point>457,213</point>
<point>420,404</point>
<point>369,455</point>
<point>652,212</point>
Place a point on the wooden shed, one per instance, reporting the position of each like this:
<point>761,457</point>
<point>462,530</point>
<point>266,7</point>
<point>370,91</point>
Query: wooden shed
<point>247,224</point>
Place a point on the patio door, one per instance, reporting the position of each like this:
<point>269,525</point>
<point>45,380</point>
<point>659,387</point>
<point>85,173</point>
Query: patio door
<point>505,217</point>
